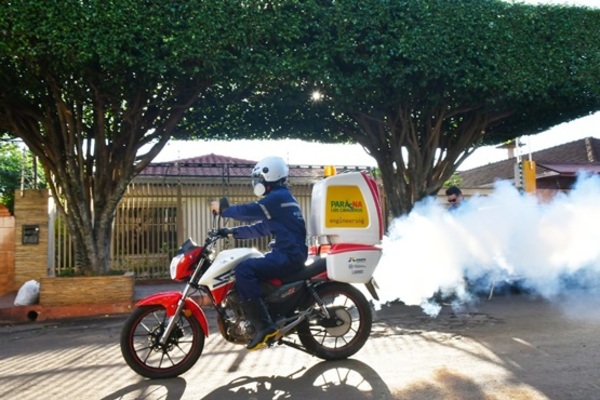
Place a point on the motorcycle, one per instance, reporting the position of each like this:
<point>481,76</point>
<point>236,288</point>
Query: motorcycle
<point>317,310</point>
<point>164,335</point>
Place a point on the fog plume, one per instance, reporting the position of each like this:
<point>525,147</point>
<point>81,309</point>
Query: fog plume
<point>506,235</point>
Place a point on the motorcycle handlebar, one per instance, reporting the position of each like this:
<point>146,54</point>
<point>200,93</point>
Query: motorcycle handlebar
<point>220,233</point>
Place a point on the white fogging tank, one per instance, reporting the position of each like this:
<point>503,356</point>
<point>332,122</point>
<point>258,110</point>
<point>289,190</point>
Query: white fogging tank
<point>346,220</point>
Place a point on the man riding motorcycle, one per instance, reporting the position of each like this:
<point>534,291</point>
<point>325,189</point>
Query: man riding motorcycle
<point>278,213</point>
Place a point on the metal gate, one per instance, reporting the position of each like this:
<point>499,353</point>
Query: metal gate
<point>154,219</point>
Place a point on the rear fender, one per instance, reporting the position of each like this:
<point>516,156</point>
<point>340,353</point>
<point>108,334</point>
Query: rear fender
<point>169,301</point>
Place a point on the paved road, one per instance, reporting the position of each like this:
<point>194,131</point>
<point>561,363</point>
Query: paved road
<point>507,348</point>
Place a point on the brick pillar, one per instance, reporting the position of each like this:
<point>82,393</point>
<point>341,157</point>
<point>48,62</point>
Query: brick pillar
<point>7,251</point>
<point>31,235</point>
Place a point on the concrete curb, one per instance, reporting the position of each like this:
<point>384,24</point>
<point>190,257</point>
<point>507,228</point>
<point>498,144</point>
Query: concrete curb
<point>37,312</point>
<point>10,313</point>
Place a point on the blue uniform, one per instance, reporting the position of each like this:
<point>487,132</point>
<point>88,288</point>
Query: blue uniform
<point>277,214</point>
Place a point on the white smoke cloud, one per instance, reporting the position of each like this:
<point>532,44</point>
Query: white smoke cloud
<point>504,236</point>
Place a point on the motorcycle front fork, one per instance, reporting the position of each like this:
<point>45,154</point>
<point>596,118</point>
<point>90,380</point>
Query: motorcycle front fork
<point>172,321</point>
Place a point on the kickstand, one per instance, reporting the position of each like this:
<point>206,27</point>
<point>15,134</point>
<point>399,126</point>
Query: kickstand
<point>492,289</point>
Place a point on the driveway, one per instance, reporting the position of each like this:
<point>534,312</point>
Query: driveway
<point>510,347</point>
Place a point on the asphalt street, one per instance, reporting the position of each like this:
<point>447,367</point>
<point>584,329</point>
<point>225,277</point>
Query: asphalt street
<point>510,347</point>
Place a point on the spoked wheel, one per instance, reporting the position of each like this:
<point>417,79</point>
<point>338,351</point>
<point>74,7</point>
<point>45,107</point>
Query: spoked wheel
<point>143,352</point>
<point>345,330</point>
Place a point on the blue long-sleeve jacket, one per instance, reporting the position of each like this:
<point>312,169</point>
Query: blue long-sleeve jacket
<point>278,214</point>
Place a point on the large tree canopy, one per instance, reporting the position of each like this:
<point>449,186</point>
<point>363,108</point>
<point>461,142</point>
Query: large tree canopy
<point>87,83</point>
<point>420,83</point>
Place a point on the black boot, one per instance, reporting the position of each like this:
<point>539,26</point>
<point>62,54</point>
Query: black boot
<point>256,311</point>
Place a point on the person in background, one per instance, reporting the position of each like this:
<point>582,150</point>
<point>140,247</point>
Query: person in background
<point>455,197</point>
<point>276,213</point>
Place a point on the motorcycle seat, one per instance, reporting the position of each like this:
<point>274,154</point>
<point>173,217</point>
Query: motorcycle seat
<point>315,268</point>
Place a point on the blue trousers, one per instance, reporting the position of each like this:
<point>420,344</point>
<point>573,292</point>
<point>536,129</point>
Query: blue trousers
<point>251,272</point>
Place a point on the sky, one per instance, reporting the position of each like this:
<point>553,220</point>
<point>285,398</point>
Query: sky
<point>297,152</point>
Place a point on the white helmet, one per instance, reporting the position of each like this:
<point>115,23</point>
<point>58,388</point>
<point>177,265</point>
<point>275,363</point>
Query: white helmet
<point>268,172</point>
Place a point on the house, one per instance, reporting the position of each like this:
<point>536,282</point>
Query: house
<point>217,169</point>
<point>556,168</point>
<point>170,201</point>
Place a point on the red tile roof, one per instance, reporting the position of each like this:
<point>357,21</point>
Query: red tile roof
<point>207,165</point>
<point>579,152</point>
<point>571,169</point>
<point>212,165</point>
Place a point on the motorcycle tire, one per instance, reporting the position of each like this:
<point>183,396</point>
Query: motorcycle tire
<point>145,355</point>
<point>345,331</point>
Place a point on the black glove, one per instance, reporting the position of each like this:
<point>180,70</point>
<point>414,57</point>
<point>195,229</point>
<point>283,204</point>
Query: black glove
<point>223,205</point>
<point>225,232</point>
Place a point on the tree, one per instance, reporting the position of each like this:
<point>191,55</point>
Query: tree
<point>421,83</point>
<point>17,169</point>
<point>95,89</point>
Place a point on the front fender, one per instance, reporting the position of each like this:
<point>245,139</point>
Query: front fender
<point>169,301</point>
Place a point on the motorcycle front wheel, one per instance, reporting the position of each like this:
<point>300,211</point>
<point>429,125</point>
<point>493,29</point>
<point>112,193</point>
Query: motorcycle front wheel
<point>143,352</point>
<point>345,330</point>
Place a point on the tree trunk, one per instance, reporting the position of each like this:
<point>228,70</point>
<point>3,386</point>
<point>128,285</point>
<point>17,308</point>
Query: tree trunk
<point>417,155</point>
<point>88,149</point>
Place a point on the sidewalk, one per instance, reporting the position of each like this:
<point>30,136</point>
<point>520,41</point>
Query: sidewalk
<point>9,313</point>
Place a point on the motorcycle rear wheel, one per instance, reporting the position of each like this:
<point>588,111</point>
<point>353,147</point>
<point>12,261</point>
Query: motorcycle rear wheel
<point>145,355</point>
<point>347,329</point>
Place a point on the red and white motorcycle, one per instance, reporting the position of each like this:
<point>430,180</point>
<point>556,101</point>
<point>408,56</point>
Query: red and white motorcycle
<point>331,319</point>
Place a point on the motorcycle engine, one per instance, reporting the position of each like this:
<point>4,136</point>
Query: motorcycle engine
<point>235,327</point>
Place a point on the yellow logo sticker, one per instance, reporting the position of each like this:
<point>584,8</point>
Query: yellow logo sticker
<point>345,208</point>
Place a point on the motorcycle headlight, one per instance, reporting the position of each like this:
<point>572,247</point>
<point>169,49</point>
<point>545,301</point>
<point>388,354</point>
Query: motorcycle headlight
<point>211,255</point>
<point>173,266</point>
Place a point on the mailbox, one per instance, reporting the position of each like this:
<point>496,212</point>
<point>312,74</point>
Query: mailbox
<point>31,234</point>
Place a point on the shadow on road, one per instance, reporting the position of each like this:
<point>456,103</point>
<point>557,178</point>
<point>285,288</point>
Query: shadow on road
<point>350,379</point>
<point>344,379</point>
<point>167,389</point>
